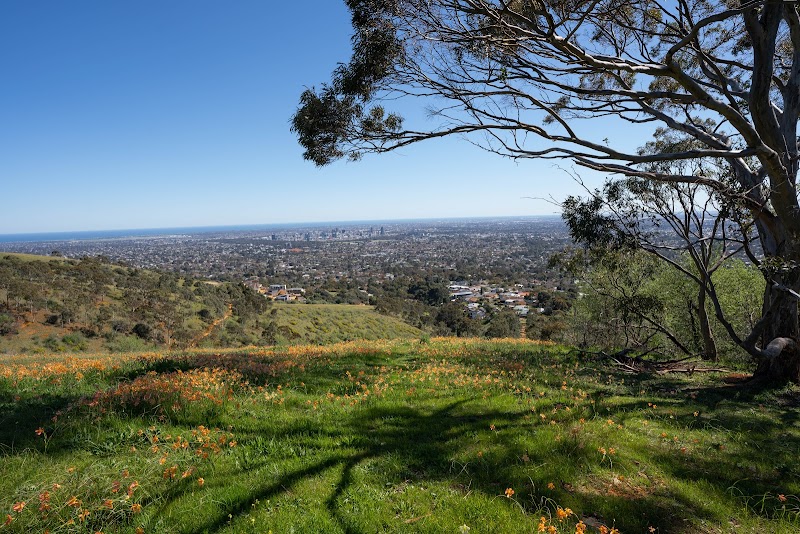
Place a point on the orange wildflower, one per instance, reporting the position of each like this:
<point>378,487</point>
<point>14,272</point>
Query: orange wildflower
<point>18,507</point>
<point>542,524</point>
<point>509,493</point>
<point>562,513</point>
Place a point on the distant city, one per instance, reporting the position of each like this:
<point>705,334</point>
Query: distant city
<point>501,250</point>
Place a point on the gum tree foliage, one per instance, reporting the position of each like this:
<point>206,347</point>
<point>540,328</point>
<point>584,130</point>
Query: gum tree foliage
<point>526,78</point>
<point>694,233</point>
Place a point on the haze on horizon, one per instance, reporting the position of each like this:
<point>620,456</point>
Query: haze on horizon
<point>165,115</point>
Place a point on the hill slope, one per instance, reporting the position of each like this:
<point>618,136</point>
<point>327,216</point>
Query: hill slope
<point>50,304</point>
<point>388,437</point>
<point>331,323</point>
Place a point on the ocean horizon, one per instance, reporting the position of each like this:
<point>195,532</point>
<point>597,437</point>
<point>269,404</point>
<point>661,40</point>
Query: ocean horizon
<point>91,235</point>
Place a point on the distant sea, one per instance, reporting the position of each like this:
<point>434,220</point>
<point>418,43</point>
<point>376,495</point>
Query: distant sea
<point>195,230</point>
<point>133,233</point>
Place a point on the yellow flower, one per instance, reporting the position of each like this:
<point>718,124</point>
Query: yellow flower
<point>136,508</point>
<point>551,486</point>
<point>509,492</point>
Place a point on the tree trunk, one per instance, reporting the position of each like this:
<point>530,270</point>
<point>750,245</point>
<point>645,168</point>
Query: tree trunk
<point>781,358</point>
<point>781,362</point>
<point>782,307</point>
<point>709,344</point>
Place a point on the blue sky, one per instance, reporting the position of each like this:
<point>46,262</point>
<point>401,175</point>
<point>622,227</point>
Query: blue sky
<point>176,113</point>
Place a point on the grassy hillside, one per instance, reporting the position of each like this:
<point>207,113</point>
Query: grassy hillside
<point>332,323</point>
<point>52,305</point>
<point>447,436</point>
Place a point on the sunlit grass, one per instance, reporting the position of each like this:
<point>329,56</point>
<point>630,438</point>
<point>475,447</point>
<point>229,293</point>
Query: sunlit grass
<point>449,435</point>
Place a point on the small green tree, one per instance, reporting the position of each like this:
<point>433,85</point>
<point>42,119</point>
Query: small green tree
<point>504,323</point>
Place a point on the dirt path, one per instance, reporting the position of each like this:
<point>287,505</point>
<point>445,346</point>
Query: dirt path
<point>207,332</point>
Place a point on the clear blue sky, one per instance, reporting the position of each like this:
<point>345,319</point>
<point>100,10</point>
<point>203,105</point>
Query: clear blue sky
<point>153,113</point>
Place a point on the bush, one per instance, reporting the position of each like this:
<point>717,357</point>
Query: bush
<point>142,330</point>
<point>53,344</point>
<point>75,341</point>
<point>121,327</point>
<point>504,324</point>
<point>8,325</point>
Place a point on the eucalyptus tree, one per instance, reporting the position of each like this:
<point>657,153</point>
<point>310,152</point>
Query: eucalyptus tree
<point>694,233</point>
<point>529,78</point>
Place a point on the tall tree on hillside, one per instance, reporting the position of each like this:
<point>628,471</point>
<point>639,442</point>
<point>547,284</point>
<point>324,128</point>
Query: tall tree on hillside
<point>520,76</point>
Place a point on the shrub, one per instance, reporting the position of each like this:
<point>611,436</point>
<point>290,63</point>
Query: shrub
<point>8,325</point>
<point>75,341</point>
<point>142,330</point>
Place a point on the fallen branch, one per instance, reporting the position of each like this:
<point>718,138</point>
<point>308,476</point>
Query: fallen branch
<point>638,364</point>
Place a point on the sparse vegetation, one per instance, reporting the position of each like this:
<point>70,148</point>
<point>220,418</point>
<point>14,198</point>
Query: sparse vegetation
<point>54,305</point>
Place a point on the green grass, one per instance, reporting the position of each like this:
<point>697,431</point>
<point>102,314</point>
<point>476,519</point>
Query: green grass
<point>332,323</point>
<point>396,436</point>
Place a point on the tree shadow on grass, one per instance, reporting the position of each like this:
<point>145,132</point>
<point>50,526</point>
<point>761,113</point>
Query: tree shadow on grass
<point>425,443</point>
<point>419,445</point>
<point>19,419</point>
